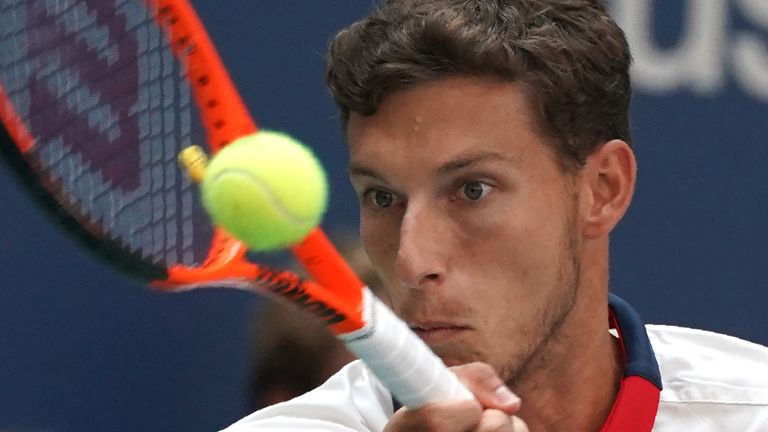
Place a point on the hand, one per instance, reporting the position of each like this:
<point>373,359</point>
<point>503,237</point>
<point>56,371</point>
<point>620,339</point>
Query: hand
<point>492,411</point>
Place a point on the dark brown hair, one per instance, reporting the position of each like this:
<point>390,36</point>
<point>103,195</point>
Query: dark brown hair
<point>570,57</point>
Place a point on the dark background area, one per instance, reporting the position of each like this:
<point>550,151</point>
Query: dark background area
<point>84,349</point>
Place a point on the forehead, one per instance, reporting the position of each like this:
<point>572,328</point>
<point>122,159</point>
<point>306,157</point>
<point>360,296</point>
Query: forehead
<point>436,121</point>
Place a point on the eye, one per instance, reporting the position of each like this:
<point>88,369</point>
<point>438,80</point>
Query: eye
<point>380,198</point>
<point>474,190</point>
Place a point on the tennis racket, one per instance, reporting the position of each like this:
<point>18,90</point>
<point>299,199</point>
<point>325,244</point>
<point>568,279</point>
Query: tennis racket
<point>97,99</point>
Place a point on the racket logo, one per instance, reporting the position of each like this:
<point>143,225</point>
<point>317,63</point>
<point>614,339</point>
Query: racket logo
<point>64,74</point>
<point>93,94</point>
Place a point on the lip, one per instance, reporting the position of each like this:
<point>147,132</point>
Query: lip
<point>434,332</point>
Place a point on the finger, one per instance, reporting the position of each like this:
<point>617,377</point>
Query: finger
<point>498,421</point>
<point>455,416</point>
<point>518,425</point>
<point>488,387</point>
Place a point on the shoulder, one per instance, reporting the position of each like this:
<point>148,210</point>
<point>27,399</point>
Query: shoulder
<point>351,400</point>
<point>710,380</point>
<point>690,357</point>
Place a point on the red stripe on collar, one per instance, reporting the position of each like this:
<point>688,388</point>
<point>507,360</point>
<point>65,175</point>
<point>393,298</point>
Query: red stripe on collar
<point>637,401</point>
<point>635,407</point>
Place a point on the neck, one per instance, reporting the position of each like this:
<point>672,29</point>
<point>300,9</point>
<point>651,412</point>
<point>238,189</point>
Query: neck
<point>572,381</point>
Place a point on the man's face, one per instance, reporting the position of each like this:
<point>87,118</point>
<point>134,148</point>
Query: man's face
<point>468,218</point>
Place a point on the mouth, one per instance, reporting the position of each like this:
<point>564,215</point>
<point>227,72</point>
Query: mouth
<point>435,332</point>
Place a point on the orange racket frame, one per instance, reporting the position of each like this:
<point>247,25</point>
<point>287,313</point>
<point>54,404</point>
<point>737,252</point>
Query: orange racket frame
<point>226,118</point>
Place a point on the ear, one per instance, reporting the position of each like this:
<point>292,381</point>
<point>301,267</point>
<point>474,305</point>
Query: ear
<point>609,178</point>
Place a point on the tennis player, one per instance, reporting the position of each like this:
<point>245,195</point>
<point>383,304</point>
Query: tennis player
<point>490,148</point>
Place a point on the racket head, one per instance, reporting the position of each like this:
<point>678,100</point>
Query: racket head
<point>95,105</point>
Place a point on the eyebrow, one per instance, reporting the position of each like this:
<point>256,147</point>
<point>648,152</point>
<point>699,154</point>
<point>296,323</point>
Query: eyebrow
<point>463,161</point>
<point>470,159</point>
<point>355,170</point>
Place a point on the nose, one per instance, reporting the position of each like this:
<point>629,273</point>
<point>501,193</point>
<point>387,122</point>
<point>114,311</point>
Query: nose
<point>422,249</point>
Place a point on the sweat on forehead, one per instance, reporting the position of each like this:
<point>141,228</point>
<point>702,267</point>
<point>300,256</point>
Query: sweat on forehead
<point>444,127</point>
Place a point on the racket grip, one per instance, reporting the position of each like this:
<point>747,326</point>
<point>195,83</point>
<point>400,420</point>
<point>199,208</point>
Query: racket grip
<point>400,360</point>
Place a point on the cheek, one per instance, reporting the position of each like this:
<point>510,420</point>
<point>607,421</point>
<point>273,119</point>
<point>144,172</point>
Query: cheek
<point>522,240</point>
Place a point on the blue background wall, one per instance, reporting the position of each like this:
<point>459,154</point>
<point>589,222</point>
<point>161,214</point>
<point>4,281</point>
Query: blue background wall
<point>83,349</point>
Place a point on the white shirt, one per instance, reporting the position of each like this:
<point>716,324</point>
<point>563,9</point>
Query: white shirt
<point>712,382</point>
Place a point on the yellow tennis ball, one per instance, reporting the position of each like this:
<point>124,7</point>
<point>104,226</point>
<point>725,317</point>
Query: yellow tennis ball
<point>266,189</point>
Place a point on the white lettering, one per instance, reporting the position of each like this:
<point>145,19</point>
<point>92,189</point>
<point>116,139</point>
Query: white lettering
<point>696,62</point>
<point>750,52</point>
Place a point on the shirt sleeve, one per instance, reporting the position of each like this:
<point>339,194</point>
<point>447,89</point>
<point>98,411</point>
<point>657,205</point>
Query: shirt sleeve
<point>350,401</point>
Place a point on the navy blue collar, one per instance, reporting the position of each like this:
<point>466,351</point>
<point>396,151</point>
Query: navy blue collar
<point>638,353</point>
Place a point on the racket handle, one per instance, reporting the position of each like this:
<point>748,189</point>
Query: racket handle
<point>400,360</point>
